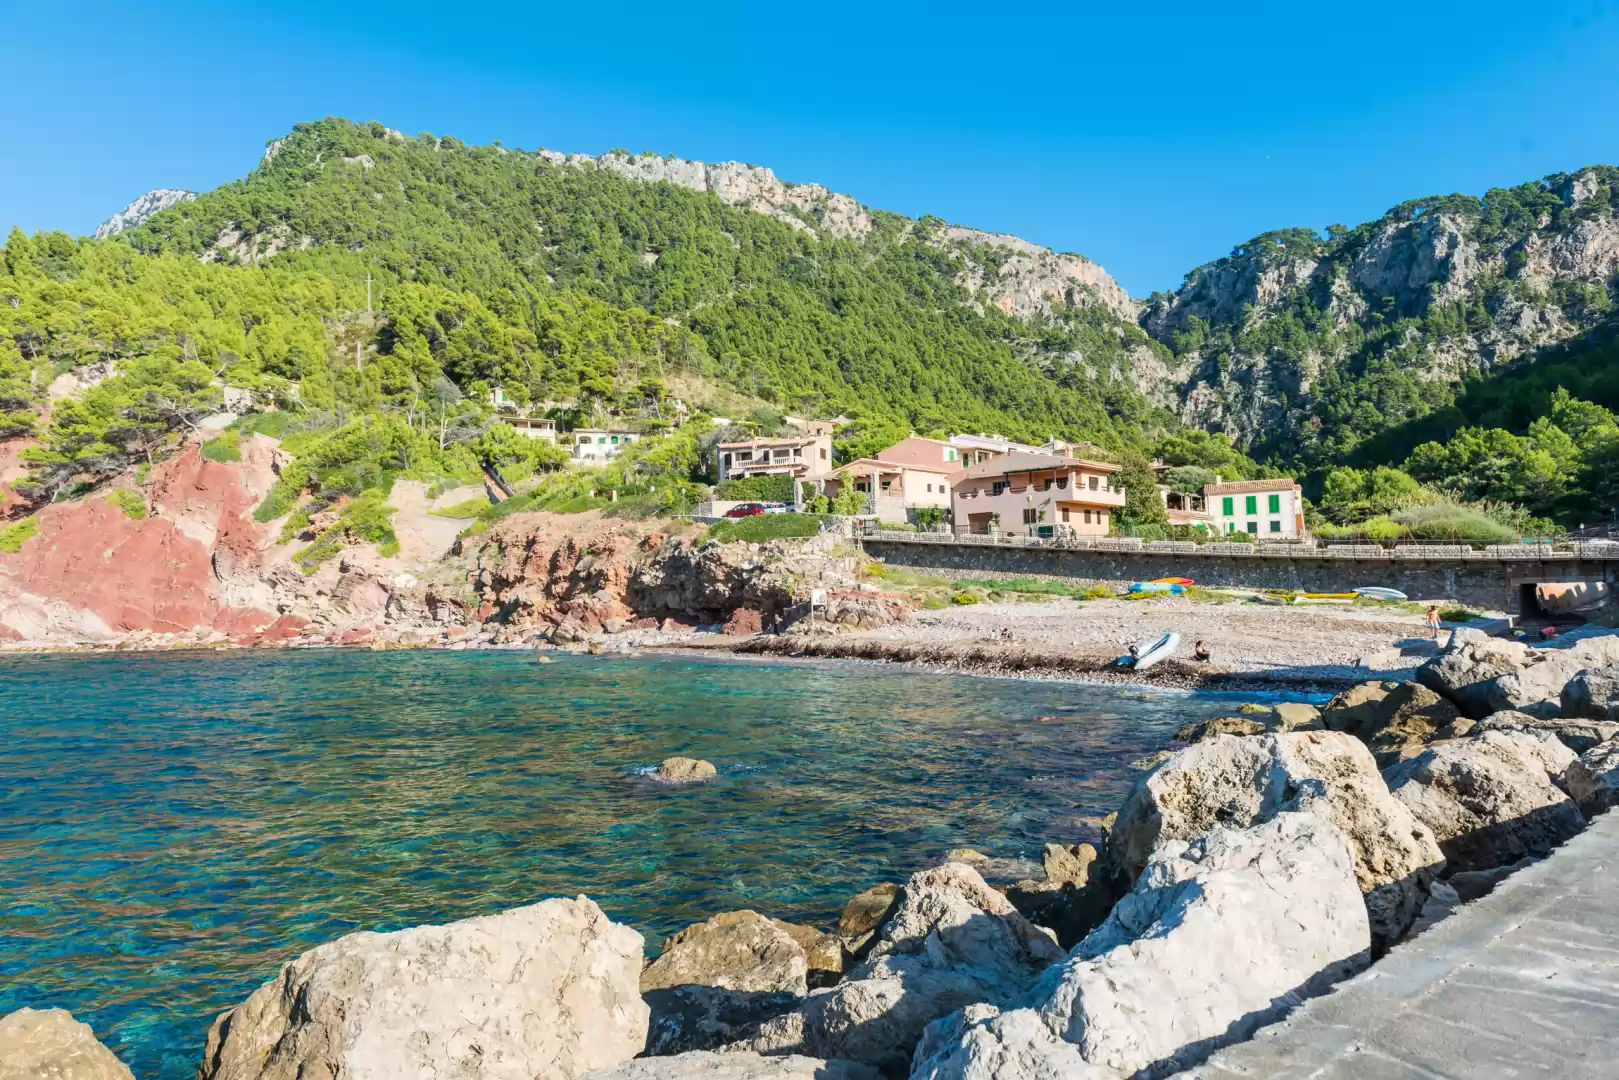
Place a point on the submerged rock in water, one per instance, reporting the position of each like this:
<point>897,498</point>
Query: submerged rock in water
<point>49,1044</point>
<point>703,1065</point>
<point>737,950</point>
<point>545,990</point>
<point>1068,863</point>
<point>684,770</point>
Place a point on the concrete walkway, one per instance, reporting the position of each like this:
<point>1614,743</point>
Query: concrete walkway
<point>1521,983</point>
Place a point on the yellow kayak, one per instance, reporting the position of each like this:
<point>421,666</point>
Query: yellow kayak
<point>1328,595</point>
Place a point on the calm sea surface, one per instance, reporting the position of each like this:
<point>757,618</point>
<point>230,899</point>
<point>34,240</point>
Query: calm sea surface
<point>174,827</point>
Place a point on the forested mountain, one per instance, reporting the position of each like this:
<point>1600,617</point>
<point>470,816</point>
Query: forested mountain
<point>796,295</point>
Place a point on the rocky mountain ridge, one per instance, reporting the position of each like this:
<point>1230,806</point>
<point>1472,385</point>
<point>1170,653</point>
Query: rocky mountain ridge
<point>1293,333</point>
<point>143,207</point>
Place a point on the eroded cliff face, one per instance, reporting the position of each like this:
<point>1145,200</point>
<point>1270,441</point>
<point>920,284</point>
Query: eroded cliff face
<point>142,208</point>
<point>1437,290</point>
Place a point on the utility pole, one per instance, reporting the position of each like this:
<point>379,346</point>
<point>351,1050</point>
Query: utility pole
<point>359,365</point>
<point>368,292</point>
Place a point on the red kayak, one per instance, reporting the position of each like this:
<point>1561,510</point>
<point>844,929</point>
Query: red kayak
<point>1182,581</point>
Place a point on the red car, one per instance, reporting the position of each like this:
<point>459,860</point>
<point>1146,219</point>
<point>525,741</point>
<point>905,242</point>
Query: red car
<point>745,510</point>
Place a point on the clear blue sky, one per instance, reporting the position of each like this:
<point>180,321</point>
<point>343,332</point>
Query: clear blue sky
<point>1151,138</point>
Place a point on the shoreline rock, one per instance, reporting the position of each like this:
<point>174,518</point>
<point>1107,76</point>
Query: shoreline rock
<point>51,1043</point>
<point>549,989</point>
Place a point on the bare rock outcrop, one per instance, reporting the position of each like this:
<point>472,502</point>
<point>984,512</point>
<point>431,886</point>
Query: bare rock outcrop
<point>49,1044</point>
<point>544,990</point>
<point>143,207</point>
<point>737,950</point>
<point>1489,800</point>
<point>953,941</point>
<point>1484,675</point>
<point>705,1065</point>
<point>1241,782</point>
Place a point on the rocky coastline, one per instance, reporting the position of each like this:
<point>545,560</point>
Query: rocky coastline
<point>1267,857</point>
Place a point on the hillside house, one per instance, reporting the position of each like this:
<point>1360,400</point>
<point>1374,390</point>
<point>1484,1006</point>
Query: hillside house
<point>596,446</point>
<point>535,427</point>
<point>1267,509</point>
<point>894,490</point>
<point>1018,492</point>
<point>805,456</point>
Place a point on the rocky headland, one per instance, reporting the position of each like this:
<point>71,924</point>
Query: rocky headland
<point>1267,857</point>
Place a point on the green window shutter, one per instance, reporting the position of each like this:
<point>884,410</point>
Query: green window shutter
<point>1230,506</point>
<point>1253,504</point>
<point>1276,504</point>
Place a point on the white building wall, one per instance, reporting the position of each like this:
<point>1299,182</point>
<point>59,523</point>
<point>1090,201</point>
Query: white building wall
<point>1254,512</point>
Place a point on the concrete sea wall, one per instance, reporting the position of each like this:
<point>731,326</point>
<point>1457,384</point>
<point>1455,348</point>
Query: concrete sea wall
<point>1494,578</point>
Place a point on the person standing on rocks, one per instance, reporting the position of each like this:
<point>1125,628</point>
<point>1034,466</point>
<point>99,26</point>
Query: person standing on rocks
<point>1433,621</point>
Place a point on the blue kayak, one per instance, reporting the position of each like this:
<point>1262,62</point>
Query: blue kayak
<point>1156,587</point>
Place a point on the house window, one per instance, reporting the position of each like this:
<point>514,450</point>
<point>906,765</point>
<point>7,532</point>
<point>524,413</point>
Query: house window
<point>930,489</point>
<point>1251,504</point>
<point>1226,506</point>
<point>997,487</point>
<point>1030,516</point>
<point>1087,517</point>
<point>950,455</point>
<point>823,453</point>
<point>727,460</point>
<point>615,440</point>
<point>1065,513</point>
<point>1276,504</point>
<point>1275,526</point>
<point>1253,528</point>
<point>1094,482</point>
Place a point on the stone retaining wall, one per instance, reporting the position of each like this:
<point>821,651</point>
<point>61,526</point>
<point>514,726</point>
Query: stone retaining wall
<point>1494,578</point>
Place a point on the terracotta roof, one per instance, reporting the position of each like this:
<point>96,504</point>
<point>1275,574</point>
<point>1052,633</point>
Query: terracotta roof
<point>1022,462</point>
<point>803,440</point>
<point>893,466</point>
<point>1239,487</point>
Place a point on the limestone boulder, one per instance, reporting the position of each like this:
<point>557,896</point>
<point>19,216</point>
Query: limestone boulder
<point>705,1065</point>
<point>706,1017</point>
<point>544,990</point>
<point>1593,779</point>
<point>1219,725</point>
<point>1490,800</point>
<point>983,1043</point>
<point>1295,716</point>
<point>1394,719</point>
<point>49,1044</point>
<point>1067,863</point>
<point>952,941</point>
<point>865,914</point>
<point>1240,782</point>
<point>736,950</point>
<point>823,953</point>
<point>1593,694</point>
<point>1219,936</point>
<point>1576,733</point>
<point>684,770</point>
<point>1466,670</point>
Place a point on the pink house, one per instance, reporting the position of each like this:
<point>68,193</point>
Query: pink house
<point>1018,492</point>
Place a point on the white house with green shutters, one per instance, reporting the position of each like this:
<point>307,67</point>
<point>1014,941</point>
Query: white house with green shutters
<point>1266,509</point>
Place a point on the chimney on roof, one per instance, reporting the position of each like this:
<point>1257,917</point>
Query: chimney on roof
<point>1218,479</point>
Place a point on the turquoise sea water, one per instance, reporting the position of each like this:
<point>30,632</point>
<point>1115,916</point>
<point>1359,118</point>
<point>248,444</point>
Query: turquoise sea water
<point>174,827</point>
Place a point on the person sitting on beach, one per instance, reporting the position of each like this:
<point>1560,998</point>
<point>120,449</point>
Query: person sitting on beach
<point>1201,653</point>
<point>1135,654</point>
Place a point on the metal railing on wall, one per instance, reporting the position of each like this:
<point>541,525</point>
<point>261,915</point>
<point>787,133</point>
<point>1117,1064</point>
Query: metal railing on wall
<point>1600,549</point>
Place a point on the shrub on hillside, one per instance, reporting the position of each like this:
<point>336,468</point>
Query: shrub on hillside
<point>761,527</point>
